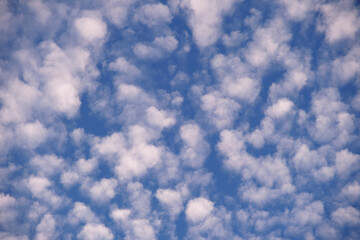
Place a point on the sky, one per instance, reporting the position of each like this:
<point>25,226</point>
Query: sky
<point>179,119</point>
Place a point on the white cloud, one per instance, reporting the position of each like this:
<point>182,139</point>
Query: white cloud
<point>340,21</point>
<point>9,236</point>
<point>120,215</point>
<point>233,39</point>
<point>47,165</point>
<point>222,111</point>
<point>133,155</point>
<point>306,159</point>
<point>331,113</point>
<point>195,149</point>
<point>141,229</point>
<point>297,76</point>
<point>308,213</point>
<point>280,108</point>
<point>267,42</point>
<point>198,209</point>
<point>351,191</point>
<point>91,28</point>
<point>123,66</point>
<point>345,162</point>
<point>46,230</point>
<point>95,231</point>
<point>138,160</point>
<point>171,200</point>
<point>139,199</point>
<point>158,48</point>
<point>8,211</point>
<point>214,226</point>
<point>55,79</point>
<point>86,166</point>
<point>205,19</point>
<point>346,216</point>
<point>347,67</point>
<point>299,10</point>
<point>117,11</point>
<point>144,51</point>
<point>81,214</point>
<point>41,10</point>
<point>129,92</point>
<point>232,145</point>
<point>32,134</point>
<point>232,74</point>
<point>167,43</point>
<point>103,190</point>
<point>153,14</point>
<point>355,103</point>
<point>17,107</point>
<point>78,171</point>
<point>159,118</point>
<point>39,187</point>
<point>256,138</point>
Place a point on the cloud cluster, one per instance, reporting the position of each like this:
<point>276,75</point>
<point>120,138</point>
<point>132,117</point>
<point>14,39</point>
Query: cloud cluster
<point>179,119</point>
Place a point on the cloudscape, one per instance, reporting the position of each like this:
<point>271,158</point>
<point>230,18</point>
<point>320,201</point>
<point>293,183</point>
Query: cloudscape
<point>179,119</point>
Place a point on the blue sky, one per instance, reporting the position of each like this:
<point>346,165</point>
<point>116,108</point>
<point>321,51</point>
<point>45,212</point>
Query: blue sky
<point>179,119</point>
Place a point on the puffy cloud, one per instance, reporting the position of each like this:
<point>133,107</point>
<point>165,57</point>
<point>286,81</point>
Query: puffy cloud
<point>309,214</point>
<point>53,85</point>
<point>139,199</point>
<point>153,14</point>
<point>351,191</point>
<point>232,145</point>
<point>159,118</point>
<point>331,113</point>
<point>9,236</point>
<point>8,211</point>
<point>95,231</point>
<point>233,39</point>
<point>347,67</point>
<point>32,134</point>
<point>103,190</point>
<point>41,10</point>
<point>47,165</point>
<point>267,42</point>
<point>81,214</point>
<point>220,110</point>
<point>198,209</point>
<point>133,155</point>
<point>120,215</point>
<point>207,221</point>
<point>158,48</point>
<point>195,148</point>
<point>90,28</point>
<point>233,76</point>
<point>346,216</point>
<point>299,10</point>
<point>39,187</point>
<point>306,159</point>
<point>171,200</point>
<point>78,171</point>
<point>346,162</point>
<point>15,107</point>
<point>46,229</point>
<point>123,66</point>
<point>340,21</point>
<point>141,229</point>
<point>205,19</point>
<point>280,108</point>
<point>117,11</point>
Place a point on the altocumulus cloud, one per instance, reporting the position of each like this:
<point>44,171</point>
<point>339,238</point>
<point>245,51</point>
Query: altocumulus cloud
<point>179,119</point>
